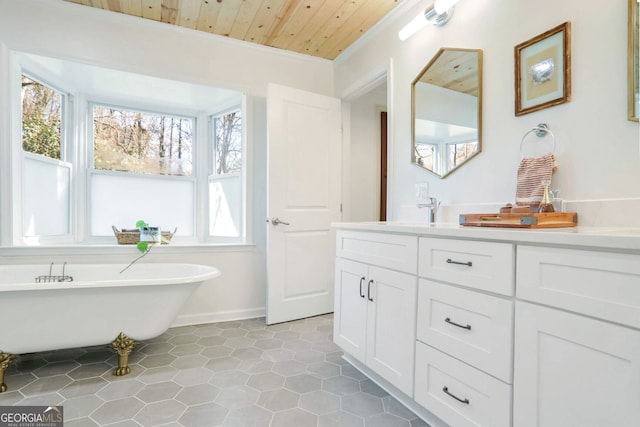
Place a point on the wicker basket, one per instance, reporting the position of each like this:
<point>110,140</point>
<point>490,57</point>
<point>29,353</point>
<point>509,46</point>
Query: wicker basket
<point>132,236</point>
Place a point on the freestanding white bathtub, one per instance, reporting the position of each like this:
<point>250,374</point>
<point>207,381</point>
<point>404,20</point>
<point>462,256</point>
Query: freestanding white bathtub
<point>93,305</point>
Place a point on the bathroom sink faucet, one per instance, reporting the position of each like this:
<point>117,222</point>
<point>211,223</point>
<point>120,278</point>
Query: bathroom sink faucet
<point>432,206</point>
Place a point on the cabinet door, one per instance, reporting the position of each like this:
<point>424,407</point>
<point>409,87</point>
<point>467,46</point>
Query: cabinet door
<point>350,308</point>
<point>392,326</point>
<point>572,370</point>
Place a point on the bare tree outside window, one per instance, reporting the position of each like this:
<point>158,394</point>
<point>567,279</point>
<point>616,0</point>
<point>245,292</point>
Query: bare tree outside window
<point>228,142</point>
<point>135,141</point>
<point>458,153</point>
<point>41,119</point>
<point>425,155</point>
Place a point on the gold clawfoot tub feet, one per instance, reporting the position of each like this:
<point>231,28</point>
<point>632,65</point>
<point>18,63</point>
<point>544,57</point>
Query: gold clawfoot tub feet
<point>123,346</point>
<point>5,360</point>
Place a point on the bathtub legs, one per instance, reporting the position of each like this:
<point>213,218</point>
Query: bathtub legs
<point>123,346</point>
<point>5,360</point>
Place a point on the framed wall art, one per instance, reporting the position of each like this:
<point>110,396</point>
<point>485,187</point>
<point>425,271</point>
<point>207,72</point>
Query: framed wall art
<point>633,55</point>
<point>543,70</point>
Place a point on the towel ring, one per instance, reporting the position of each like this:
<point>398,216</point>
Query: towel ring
<point>541,130</point>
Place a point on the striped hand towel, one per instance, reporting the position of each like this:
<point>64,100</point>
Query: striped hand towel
<point>532,172</point>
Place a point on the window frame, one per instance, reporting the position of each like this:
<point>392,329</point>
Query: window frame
<point>196,153</point>
<point>203,168</point>
<point>67,157</point>
<point>244,173</point>
<point>77,148</point>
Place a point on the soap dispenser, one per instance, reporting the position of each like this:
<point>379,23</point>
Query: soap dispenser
<point>545,203</point>
<point>556,201</point>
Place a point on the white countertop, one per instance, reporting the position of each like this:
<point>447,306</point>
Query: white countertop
<point>625,239</point>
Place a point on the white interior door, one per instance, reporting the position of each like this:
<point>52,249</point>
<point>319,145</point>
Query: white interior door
<point>304,196</point>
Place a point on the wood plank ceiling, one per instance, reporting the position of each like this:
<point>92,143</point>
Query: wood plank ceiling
<point>321,28</point>
<point>455,69</point>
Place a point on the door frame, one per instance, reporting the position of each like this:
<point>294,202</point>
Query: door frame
<point>384,152</point>
<point>380,75</point>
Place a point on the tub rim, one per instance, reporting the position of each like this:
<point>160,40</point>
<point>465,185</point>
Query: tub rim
<point>204,272</point>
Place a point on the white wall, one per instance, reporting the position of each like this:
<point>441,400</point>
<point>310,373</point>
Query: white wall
<point>73,32</point>
<point>597,147</point>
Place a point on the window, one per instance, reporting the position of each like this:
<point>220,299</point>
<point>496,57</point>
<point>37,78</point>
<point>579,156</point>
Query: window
<point>227,129</point>
<point>148,157</point>
<point>444,156</point>
<point>225,183</point>
<point>425,155</point>
<point>41,118</point>
<point>46,187</point>
<point>461,151</point>
<point>113,147</point>
<point>136,141</point>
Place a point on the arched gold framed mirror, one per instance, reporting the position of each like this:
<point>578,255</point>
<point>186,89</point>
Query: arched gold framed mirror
<point>633,85</point>
<point>447,110</point>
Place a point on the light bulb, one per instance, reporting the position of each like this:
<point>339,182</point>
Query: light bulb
<point>413,26</point>
<point>441,6</point>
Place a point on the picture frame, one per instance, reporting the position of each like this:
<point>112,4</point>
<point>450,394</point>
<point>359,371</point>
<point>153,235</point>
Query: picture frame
<point>543,70</point>
<point>633,59</point>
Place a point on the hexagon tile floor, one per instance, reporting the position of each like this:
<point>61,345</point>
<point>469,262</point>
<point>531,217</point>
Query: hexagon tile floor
<point>240,373</point>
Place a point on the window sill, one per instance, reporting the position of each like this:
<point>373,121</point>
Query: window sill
<point>113,249</point>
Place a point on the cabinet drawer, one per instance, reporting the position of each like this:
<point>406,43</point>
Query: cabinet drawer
<point>393,251</point>
<point>460,395</point>
<point>473,327</point>
<point>605,285</point>
<point>483,265</point>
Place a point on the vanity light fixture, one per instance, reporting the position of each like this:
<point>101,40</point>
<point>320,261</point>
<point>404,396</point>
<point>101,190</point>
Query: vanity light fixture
<point>438,14</point>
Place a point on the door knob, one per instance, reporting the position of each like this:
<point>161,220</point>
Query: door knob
<point>276,221</point>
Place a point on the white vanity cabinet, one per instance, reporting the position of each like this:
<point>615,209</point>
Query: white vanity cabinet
<point>375,297</point>
<point>577,349</point>
<point>502,328</point>
<point>465,331</point>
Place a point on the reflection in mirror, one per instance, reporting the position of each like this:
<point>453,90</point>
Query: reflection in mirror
<point>447,110</point>
<point>634,61</point>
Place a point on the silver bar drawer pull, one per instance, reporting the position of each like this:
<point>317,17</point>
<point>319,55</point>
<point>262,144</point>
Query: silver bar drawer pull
<point>468,263</point>
<point>446,390</point>
<point>451,322</point>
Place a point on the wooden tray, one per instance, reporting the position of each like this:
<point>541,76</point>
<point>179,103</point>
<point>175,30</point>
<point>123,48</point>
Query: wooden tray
<point>520,220</point>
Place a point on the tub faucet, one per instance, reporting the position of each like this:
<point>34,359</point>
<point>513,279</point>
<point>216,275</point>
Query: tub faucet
<point>432,206</point>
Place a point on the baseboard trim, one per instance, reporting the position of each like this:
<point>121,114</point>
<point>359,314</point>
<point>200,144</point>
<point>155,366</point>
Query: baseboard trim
<point>223,316</point>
